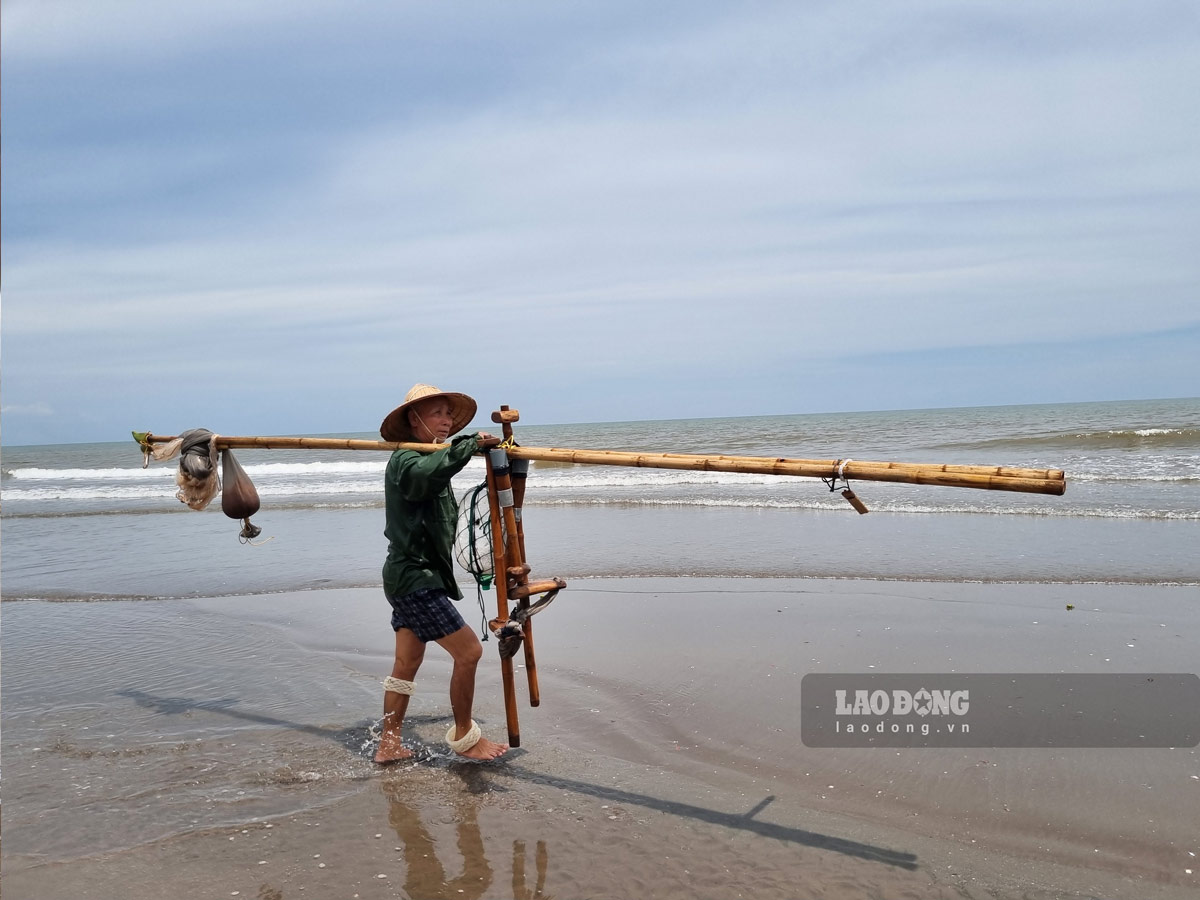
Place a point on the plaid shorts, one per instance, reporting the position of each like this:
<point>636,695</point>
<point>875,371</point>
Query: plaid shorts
<point>429,613</point>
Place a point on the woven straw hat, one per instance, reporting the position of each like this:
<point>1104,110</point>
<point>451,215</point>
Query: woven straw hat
<point>396,428</point>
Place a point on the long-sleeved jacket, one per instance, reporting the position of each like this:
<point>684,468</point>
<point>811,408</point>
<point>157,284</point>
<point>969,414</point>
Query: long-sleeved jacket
<point>421,516</point>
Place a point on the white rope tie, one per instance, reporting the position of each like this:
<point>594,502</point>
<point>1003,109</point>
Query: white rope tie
<point>397,686</point>
<point>841,469</point>
<point>467,741</point>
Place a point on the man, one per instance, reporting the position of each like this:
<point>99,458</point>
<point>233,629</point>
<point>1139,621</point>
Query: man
<point>418,576</point>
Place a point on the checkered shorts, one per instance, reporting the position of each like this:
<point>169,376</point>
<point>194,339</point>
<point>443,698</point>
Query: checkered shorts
<point>428,613</point>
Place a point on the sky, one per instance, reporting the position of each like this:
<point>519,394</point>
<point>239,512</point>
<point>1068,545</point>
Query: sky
<point>275,217</point>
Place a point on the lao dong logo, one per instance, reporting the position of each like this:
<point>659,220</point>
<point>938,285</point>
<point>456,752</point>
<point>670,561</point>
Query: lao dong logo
<point>902,703</point>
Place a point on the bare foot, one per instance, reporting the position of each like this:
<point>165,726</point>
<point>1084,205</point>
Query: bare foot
<point>391,750</point>
<point>485,750</point>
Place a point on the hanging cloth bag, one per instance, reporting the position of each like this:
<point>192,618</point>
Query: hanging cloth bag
<point>239,497</point>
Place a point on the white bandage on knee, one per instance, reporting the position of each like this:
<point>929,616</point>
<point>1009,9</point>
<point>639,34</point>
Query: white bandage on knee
<point>467,741</point>
<point>397,686</point>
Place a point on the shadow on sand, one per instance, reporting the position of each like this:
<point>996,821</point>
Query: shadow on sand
<point>480,778</point>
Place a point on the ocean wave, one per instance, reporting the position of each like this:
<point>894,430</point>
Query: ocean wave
<point>270,480</point>
<point>339,476</point>
<point>373,467</point>
<point>898,507</point>
<point>1149,438</point>
<point>666,489</point>
<point>104,474</point>
<point>84,493</point>
<point>584,577</point>
<point>334,478</point>
<point>1113,478</point>
<point>157,473</point>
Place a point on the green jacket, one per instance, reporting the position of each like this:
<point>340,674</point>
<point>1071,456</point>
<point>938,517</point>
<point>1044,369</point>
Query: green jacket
<point>421,517</point>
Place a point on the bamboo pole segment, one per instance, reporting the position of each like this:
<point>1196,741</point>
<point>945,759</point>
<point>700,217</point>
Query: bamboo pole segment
<point>229,442</point>
<point>524,591</point>
<point>501,565</point>
<point>1000,478</point>
<point>1049,481</point>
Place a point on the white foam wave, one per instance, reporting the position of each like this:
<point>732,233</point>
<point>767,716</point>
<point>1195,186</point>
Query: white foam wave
<point>80,494</point>
<point>884,506</point>
<point>356,494</point>
<point>113,474</point>
<point>1105,478</point>
<point>67,493</point>
<point>344,467</point>
<point>373,467</point>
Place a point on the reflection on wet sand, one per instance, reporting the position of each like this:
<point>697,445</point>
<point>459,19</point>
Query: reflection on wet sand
<point>519,887</point>
<point>481,779</point>
<point>425,875</point>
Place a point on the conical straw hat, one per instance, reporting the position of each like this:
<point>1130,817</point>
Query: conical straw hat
<point>396,428</point>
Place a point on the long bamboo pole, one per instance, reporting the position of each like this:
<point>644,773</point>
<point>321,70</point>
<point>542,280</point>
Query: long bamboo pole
<point>1047,481</point>
<point>1000,478</point>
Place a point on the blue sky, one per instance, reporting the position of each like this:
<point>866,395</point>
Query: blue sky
<point>273,218</point>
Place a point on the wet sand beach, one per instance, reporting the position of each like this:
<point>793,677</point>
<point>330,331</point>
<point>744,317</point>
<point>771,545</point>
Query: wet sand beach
<point>220,747</point>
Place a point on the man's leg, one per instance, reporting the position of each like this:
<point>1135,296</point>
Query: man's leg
<point>464,648</point>
<point>410,651</point>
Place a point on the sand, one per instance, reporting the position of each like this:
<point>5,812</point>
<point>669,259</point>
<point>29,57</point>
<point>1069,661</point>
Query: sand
<point>221,747</point>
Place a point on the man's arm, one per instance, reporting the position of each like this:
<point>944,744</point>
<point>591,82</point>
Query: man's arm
<point>423,475</point>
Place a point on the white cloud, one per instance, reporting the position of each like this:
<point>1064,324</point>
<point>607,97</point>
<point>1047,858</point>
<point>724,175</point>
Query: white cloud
<point>27,409</point>
<point>746,187</point>
<point>60,29</point>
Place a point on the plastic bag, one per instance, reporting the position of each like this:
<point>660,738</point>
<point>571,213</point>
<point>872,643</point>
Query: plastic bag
<point>239,497</point>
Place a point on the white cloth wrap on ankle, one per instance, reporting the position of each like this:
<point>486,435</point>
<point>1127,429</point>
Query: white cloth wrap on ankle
<point>398,686</point>
<point>467,741</point>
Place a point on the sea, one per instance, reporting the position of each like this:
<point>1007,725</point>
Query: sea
<point>94,522</point>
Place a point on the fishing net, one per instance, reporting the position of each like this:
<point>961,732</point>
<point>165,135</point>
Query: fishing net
<point>473,544</point>
<point>473,536</point>
<point>197,476</point>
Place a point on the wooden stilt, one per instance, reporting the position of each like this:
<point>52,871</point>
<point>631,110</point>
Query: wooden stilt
<point>501,563</point>
<point>518,578</point>
<point>504,418</point>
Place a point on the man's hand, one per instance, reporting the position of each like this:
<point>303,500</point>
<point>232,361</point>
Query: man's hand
<point>487,441</point>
